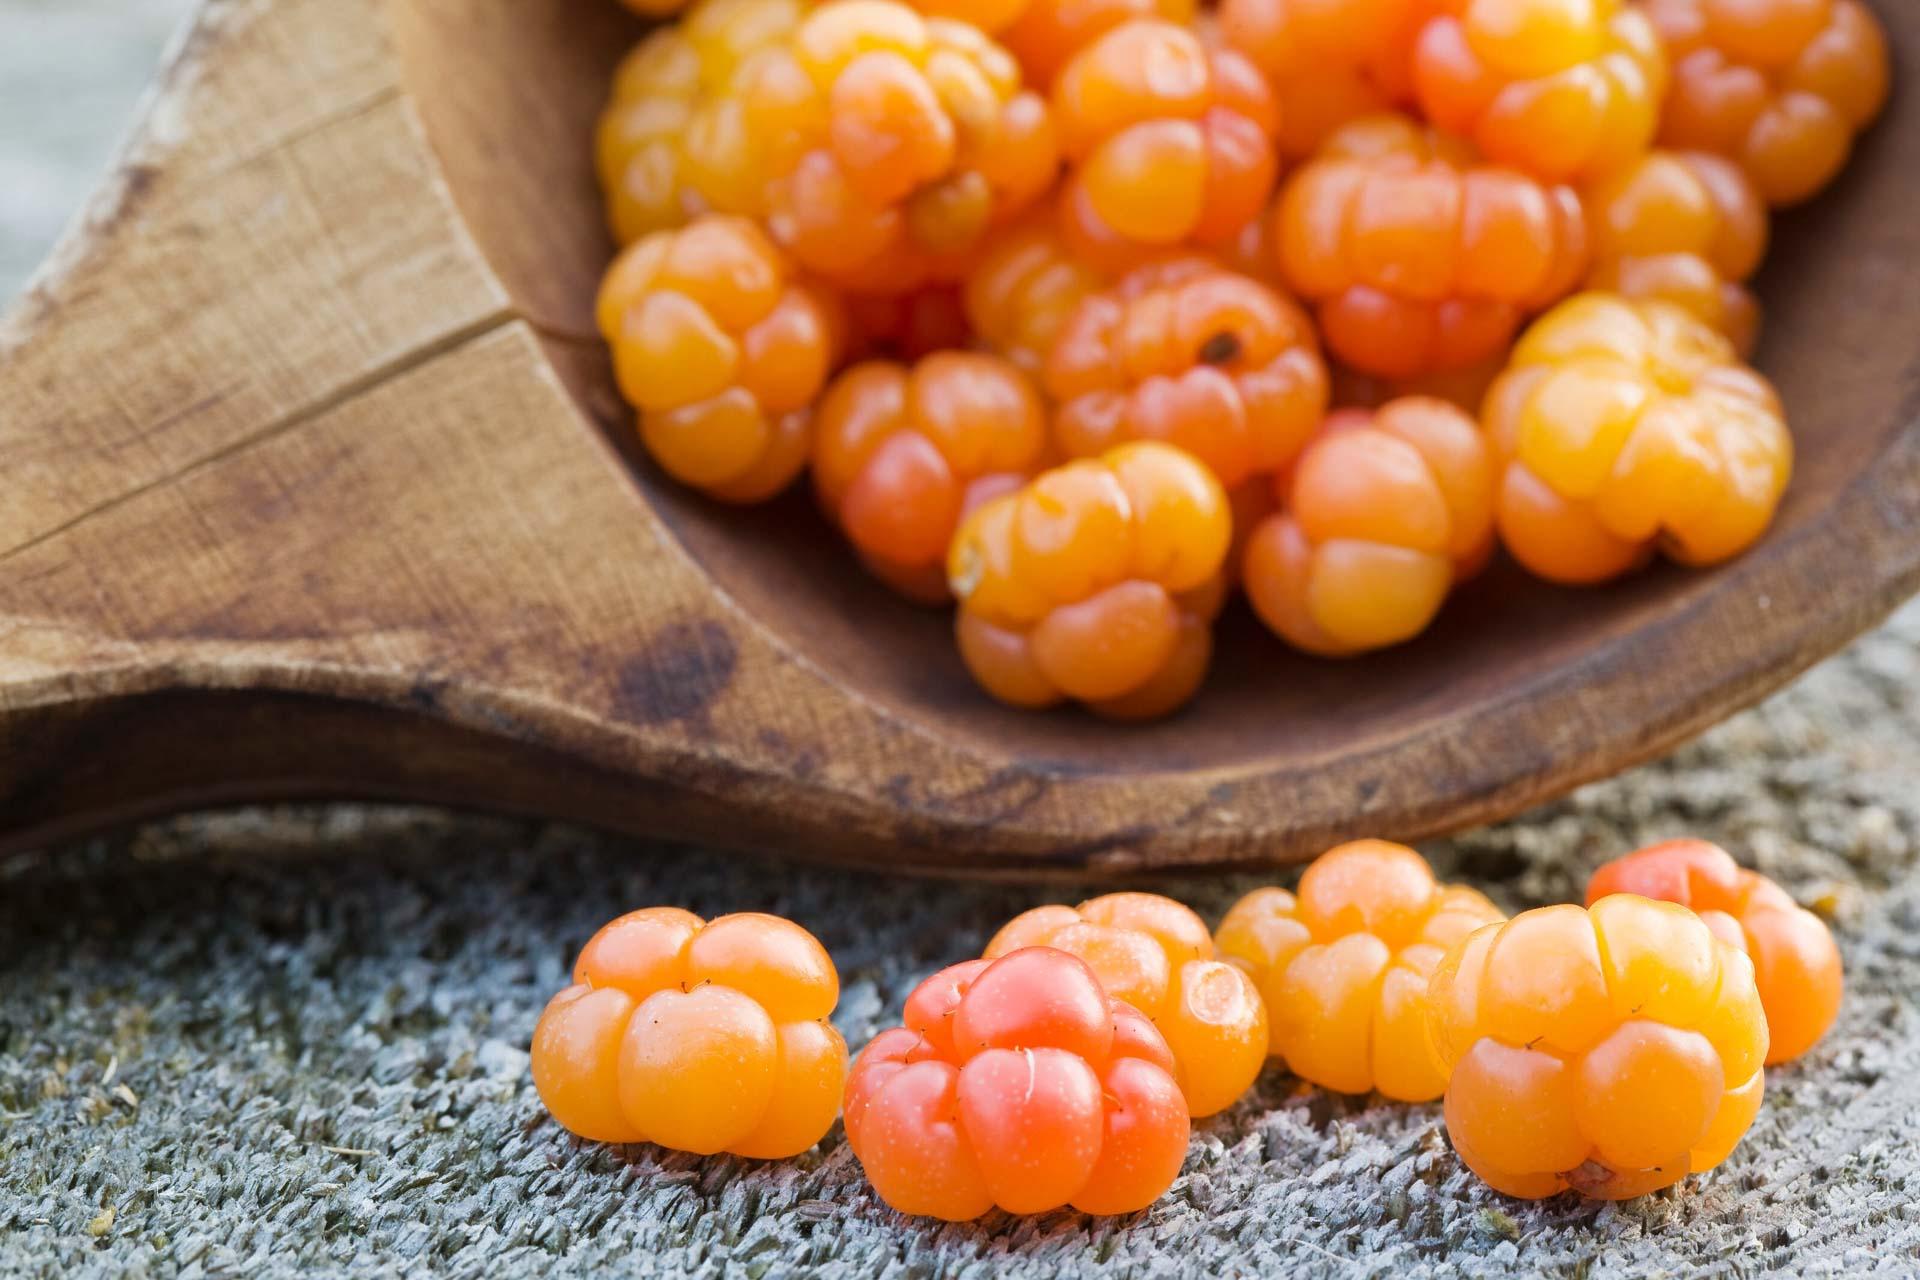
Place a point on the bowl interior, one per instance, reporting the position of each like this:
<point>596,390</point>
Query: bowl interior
<point>508,93</point>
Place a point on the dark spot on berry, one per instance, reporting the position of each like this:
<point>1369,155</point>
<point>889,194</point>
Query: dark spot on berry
<point>1220,348</point>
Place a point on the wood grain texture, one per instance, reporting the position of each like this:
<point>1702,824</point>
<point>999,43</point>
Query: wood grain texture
<point>315,485</point>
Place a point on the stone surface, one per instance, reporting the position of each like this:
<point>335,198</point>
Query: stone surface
<point>253,1043</point>
<point>264,1043</point>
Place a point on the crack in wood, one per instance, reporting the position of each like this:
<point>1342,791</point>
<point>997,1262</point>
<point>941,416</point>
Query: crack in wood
<point>347,392</point>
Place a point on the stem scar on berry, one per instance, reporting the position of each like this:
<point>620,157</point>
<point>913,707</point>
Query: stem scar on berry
<point>1221,348</point>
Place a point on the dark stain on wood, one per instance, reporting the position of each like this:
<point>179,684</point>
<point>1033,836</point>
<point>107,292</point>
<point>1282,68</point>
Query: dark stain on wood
<point>677,675</point>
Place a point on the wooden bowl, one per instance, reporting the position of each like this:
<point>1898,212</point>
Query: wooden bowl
<point>315,485</point>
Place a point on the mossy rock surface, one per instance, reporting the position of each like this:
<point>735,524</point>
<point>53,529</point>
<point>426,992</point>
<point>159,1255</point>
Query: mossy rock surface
<point>275,1041</point>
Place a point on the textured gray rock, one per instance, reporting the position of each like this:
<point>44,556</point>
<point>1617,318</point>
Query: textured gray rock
<point>260,1042</point>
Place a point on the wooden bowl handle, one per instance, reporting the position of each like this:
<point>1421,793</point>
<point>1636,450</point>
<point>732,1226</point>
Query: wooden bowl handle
<point>295,503</point>
<point>299,500</point>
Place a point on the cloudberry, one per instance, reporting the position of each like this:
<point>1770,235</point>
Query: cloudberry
<point>721,351</point>
<point>990,16</point>
<point>1561,89</point>
<point>1330,61</point>
<point>1098,581</point>
<point>1017,1082</point>
<point>698,1035</point>
<point>1049,32</point>
<point>1189,353</point>
<point>1780,86</point>
<point>883,146</point>
<point>1685,227</point>
<point>1157,955</point>
<point>1170,142</point>
<point>899,454</point>
<point>1379,518</point>
<point>1023,290</point>
<point>1611,1051</point>
<point>1419,257</point>
<point>1621,427</point>
<point>650,145</point>
<point>1343,965</point>
<point>1795,962</point>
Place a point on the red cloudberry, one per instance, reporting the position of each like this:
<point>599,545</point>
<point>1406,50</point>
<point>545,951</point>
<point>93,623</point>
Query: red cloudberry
<point>1017,1082</point>
<point>1157,955</point>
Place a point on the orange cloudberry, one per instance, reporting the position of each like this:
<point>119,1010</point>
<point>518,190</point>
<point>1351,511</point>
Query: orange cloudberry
<point>1610,1051</point>
<point>1097,581</point>
<point>721,351</point>
<point>1562,89</point>
<point>1192,354</point>
<point>990,16</point>
<point>1780,86</point>
<point>1795,962</point>
<point>900,453</point>
<point>698,1035</point>
<point>1685,227</point>
<point>1330,61</point>
<point>1048,33</point>
<point>1156,954</point>
<point>882,146</point>
<point>1383,513</point>
<point>1017,1082</point>
<point>1421,258</point>
<point>1023,290</point>
<point>1170,142</point>
<point>1343,965</point>
<point>1622,427</point>
<point>650,148</point>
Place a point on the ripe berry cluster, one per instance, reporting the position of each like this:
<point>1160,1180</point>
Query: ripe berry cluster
<point>1401,281</point>
<point>1609,1050</point>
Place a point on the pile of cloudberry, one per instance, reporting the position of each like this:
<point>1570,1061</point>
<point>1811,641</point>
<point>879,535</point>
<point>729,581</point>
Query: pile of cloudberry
<point>1609,1050</point>
<point>1387,284</point>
